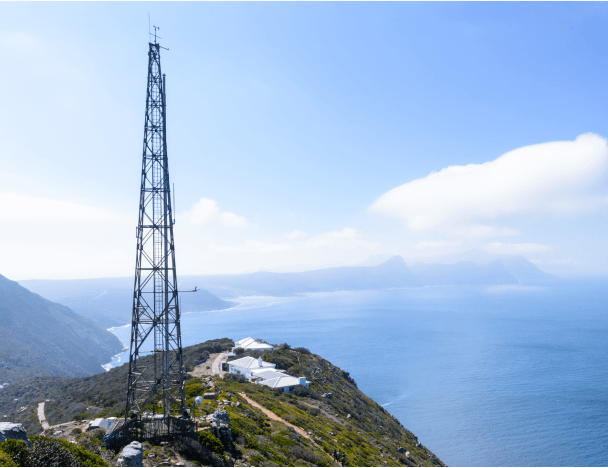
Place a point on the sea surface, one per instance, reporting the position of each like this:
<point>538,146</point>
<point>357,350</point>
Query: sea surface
<point>484,376</point>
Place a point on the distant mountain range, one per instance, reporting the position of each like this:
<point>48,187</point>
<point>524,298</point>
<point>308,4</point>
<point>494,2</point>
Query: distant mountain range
<point>40,337</point>
<point>109,301</point>
<point>390,273</point>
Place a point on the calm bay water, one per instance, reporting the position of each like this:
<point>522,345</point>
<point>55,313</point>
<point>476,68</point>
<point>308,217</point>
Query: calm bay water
<point>498,376</point>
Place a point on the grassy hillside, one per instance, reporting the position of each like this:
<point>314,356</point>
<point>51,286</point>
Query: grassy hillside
<point>349,421</point>
<point>81,398</point>
<point>40,337</point>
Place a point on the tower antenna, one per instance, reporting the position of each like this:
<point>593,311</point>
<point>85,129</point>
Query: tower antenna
<point>156,367</point>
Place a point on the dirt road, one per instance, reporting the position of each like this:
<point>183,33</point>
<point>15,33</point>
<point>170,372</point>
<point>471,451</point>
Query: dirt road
<point>216,367</point>
<point>42,417</point>
<point>271,415</point>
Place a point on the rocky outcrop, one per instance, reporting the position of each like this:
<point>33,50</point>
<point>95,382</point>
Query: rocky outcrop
<point>221,426</point>
<point>9,430</point>
<point>132,455</point>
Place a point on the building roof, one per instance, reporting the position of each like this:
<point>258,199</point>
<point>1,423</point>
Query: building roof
<point>266,374</point>
<point>251,363</point>
<point>281,381</point>
<point>250,343</point>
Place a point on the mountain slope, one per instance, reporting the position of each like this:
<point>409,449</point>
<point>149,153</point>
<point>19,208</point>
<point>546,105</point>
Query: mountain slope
<point>524,270</point>
<point>40,337</point>
<point>516,265</point>
<point>109,301</point>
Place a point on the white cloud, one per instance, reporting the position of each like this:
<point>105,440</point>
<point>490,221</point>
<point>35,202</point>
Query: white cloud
<point>203,211</point>
<point>515,249</point>
<point>233,220</point>
<point>549,177</point>
<point>206,210</point>
<point>32,208</point>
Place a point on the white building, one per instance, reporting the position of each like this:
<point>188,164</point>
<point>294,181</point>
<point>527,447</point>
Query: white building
<point>249,344</point>
<point>284,381</point>
<point>101,423</point>
<point>264,374</point>
<point>248,365</point>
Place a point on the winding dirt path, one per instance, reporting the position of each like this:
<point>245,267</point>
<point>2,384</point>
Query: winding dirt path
<point>42,417</point>
<point>271,415</point>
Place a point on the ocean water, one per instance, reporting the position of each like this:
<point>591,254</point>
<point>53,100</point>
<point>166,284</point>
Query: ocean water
<point>484,376</point>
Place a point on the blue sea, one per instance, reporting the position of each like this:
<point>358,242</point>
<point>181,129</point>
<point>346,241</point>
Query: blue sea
<point>484,376</point>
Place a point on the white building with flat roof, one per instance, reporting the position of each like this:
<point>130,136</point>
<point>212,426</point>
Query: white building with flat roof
<point>249,344</point>
<point>264,374</point>
<point>284,381</point>
<point>248,365</point>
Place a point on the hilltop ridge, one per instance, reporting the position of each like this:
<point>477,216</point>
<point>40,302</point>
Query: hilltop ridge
<point>333,413</point>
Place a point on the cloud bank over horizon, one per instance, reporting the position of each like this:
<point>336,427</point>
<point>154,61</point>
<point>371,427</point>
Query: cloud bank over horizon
<point>561,177</point>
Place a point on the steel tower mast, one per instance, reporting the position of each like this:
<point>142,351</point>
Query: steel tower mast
<point>155,329</point>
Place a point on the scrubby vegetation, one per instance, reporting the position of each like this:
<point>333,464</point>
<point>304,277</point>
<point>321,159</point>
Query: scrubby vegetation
<point>333,413</point>
<point>47,452</point>
<point>208,440</point>
<point>84,397</point>
<point>349,421</point>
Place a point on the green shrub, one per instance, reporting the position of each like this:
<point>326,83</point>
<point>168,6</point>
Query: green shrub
<point>300,453</point>
<point>58,452</point>
<point>6,460</point>
<point>208,440</point>
<point>240,378</point>
<point>193,387</point>
<point>16,449</point>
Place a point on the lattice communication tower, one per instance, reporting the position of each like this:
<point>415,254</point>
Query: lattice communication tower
<point>158,380</point>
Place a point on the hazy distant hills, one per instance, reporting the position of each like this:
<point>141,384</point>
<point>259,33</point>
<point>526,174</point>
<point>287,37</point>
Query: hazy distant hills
<point>109,301</point>
<point>391,273</point>
<point>40,337</point>
<point>463,273</point>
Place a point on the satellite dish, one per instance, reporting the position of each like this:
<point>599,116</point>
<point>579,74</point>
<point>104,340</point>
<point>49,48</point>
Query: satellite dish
<point>198,400</point>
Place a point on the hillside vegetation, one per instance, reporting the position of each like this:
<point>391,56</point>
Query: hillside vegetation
<point>40,337</point>
<point>82,398</point>
<point>348,421</point>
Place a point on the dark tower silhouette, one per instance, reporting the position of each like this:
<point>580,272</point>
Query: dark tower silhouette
<point>155,329</point>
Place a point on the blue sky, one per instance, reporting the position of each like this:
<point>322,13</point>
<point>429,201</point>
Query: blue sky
<point>291,126</point>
